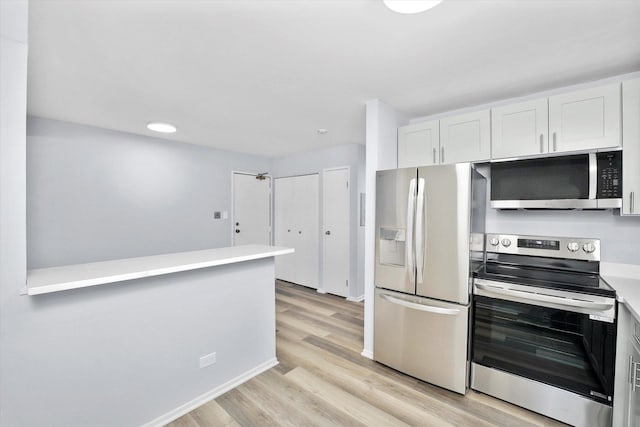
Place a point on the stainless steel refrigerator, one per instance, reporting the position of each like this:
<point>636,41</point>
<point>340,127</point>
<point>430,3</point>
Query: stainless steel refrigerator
<point>429,238</point>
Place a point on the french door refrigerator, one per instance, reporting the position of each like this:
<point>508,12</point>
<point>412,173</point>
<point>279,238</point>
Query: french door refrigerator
<point>429,238</point>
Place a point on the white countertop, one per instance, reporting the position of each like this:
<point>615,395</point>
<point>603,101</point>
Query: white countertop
<point>625,279</point>
<point>54,279</point>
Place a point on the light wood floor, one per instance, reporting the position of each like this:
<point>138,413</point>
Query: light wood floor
<point>322,380</point>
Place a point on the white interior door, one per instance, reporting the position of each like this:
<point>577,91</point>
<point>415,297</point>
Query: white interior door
<point>335,196</point>
<point>284,233</point>
<point>251,210</point>
<point>307,228</point>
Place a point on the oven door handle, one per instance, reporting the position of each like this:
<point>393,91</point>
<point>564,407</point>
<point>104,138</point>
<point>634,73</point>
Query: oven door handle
<point>421,307</point>
<point>568,302</point>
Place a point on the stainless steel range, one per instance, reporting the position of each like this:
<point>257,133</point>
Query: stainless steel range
<point>544,328</point>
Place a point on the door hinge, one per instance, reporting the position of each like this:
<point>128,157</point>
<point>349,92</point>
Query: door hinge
<point>346,283</point>
<point>347,184</point>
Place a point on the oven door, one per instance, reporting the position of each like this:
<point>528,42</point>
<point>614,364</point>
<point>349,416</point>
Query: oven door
<point>562,339</point>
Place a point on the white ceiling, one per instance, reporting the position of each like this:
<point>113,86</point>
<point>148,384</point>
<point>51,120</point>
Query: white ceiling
<point>260,76</point>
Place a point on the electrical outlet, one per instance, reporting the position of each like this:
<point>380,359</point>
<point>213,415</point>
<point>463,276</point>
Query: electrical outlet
<point>208,359</point>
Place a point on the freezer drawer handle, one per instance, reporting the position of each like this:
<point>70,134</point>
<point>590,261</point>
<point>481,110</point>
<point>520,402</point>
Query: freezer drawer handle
<point>421,307</point>
<point>569,302</point>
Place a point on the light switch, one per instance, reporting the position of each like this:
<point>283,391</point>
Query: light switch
<point>225,215</point>
<point>216,215</point>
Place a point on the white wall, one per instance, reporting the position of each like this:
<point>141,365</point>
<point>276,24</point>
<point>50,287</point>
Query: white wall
<point>352,155</point>
<point>13,110</point>
<point>95,194</point>
<point>381,131</point>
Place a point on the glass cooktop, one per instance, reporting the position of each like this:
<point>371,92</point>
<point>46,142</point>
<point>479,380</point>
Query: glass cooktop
<point>576,281</point>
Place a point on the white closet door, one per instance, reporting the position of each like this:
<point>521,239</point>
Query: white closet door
<point>296,217</point>
<point>335,276</point>
<point>284,233</point>
<point>307,227</point>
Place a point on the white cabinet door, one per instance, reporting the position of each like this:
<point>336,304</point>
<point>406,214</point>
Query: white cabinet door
<point>465,138</point>
<point>419,144</point>
<point>520,129</point>
<point>631,147</point>
<point>586,119</point>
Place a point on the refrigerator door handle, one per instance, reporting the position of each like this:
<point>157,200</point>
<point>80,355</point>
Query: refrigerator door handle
<point>421,307</point>
<point>411,201</point>
<point>420,231</point>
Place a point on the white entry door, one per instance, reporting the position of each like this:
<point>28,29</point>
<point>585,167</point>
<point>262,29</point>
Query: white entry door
<point>335,197</point>
<point>251,210</point>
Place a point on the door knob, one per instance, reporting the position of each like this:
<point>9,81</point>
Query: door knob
<point>328,233</point>
<point>237,230</point>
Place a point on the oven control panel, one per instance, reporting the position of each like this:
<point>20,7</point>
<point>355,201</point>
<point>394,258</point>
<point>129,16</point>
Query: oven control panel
<point>553,247</point>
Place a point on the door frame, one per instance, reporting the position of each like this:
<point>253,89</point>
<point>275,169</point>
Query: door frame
<point>232,210</point>
<point>322,289</point>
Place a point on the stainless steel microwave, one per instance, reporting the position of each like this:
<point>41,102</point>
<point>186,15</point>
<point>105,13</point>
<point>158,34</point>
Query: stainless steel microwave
<point>581,181</point>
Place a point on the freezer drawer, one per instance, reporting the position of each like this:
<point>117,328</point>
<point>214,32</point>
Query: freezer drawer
<point>421,337</point>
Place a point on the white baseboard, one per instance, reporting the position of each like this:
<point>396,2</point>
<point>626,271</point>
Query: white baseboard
<point>210,395</point>
<point>356,299</point>
<point>367,353</point>
<point>320,291</point>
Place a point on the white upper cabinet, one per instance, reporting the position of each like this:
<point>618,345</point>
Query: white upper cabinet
<point>419,144</point>
<point>520,129</point>
<point>586,119</point>
<point>465,138</point>
<point>631,147</point>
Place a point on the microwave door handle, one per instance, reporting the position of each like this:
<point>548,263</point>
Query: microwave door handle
<point>420,307</point>
<point>420,232</point>
<point>411,201</point>
<point>593,176</point>
<point>568,302</point>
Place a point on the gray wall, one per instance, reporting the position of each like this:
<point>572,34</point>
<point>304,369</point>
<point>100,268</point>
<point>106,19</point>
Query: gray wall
<point>95,194</point>
<point>618,235</point>
<point>352,155</point>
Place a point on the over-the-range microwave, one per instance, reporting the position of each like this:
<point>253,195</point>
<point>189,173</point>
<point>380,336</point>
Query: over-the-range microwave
<point>580,181</point>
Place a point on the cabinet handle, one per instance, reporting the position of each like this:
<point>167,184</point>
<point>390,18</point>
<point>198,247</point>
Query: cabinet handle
<point>541,143</point>
<point>434,155</point>
<point>631,202</point>
<point>555,142</point>
<point>441,154</point>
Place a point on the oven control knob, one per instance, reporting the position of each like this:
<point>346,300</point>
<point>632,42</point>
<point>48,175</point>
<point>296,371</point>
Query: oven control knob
<point>573,246</point>
<point>494,241</point>
<point>589,247</point>
<point>506,243</point>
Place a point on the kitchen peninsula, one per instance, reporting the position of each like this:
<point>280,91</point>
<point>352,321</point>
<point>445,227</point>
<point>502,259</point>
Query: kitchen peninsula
<point>161,335</point>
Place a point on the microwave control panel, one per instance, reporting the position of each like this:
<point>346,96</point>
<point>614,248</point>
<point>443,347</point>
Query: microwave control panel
<point>609,175</point>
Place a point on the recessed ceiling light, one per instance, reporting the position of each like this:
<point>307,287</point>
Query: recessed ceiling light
<point>322,131</point>
<point>410,6</point>
<point>161,127</point>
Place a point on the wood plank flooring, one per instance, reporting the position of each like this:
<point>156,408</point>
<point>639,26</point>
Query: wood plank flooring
<point>322,380</point>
